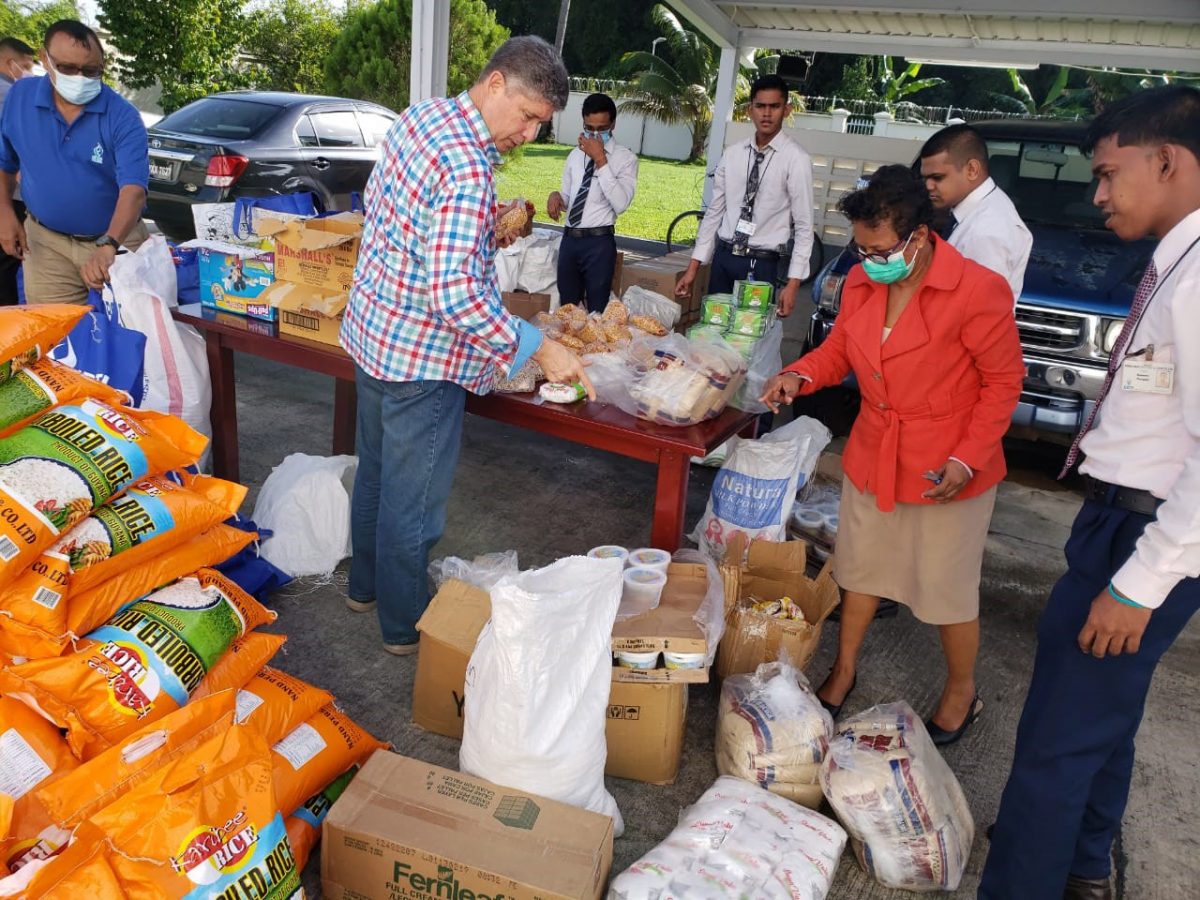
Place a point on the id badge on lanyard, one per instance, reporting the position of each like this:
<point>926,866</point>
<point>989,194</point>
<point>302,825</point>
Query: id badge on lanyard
<point>1141,374</point>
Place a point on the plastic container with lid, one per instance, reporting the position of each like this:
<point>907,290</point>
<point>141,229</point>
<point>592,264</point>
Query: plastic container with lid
<point>641,591</point>
<point>649,558</point>
<point>627,659</point>
<point>609,551</point>
<point>684,660</point>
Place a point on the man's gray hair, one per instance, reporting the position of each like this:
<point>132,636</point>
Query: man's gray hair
<point>534,65</point>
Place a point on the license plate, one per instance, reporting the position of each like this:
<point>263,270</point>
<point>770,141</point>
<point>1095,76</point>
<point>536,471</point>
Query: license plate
<point>163,171</point>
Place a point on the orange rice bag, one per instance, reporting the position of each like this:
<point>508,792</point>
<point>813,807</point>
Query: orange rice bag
<point>74,459</point>
<point>150,519</point>
<point>28,332</point>
<point>275,703</point>
<point>142,664</point>
<point>304,826</point>
<point>316,753</point>
<point>246,656</point>
<point>204,825</point>
<point>45,385</point>
<point>33,751</point>
<point>45,818</point>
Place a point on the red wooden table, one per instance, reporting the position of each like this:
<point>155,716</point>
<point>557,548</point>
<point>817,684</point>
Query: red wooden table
<point>592,424</point>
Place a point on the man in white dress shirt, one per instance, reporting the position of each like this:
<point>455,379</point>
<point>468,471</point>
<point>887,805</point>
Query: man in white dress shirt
<point>598,184</point>
<point>1133,558</point>
<point>984,225</point>
<point>762,198</point>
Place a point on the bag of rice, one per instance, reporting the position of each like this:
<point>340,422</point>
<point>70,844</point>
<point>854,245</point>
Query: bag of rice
<point>28,332</point>
<point>244,659</point>
<point>772,730</point>
<point>142,664</point>
<point>275,703</point>
<point>74,459</point>
<point>738,841</point>
<point>45,385</point>
<point>46,817</point>
<point>304,826</point>
<point>314,754</point>
<point>205,825</point>
<point>908,819</point>
<point>151,518</point>
<point>32,751</point>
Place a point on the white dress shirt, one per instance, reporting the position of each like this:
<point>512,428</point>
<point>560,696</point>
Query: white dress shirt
<point>991,233</point>
<point>1152,441</point>
<point>782,206</point>
<point>613,185</point>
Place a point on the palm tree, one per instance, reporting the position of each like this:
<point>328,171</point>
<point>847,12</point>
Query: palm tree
<point>677,87</point>
<point>894,87</point>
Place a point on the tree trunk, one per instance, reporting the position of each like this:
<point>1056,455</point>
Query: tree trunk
<point>564,8</point>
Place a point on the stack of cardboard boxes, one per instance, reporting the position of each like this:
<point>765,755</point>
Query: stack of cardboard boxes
<point>660,274</point>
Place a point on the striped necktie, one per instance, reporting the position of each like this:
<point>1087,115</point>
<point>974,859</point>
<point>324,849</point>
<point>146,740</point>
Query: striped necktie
<point>739,237</point>
<point>575,217</point>
<point>1145,290</point>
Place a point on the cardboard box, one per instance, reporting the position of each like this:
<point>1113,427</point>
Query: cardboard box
<point>645,721</point>
<point>307,312</point>
<point>319,253</point>
<point>525,305</point>
<point>661,273</point>
<point>771,571</point>
<point>670,626</point>
<point>404,828</point>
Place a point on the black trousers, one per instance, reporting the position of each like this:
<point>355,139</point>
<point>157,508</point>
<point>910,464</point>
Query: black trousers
<point>727,268</point>
<point>9,266</point>
<point>585,270</point>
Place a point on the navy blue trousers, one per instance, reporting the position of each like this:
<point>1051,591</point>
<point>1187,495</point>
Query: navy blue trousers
<point>727,268</point>
<point>1065,797</point>
<point>585,270</point>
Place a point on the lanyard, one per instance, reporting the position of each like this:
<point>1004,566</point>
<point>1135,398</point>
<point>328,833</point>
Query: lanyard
<point>1154,293</point>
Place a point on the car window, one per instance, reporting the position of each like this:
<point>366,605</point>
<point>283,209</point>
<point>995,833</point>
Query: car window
<point>375,127</point>
<point>1050,184</point>
<point>305,133</point>
<point>337,129</point>
<point>221,117</point>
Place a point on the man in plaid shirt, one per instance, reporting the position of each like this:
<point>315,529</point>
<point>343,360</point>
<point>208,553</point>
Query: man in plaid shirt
<point>425,323</point>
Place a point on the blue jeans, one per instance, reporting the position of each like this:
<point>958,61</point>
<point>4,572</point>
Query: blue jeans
<point>408,437</point>
<point>1065,797</point>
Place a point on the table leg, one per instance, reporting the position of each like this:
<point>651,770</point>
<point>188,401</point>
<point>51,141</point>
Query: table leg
<point>345,416</point>
<point>223,414</point>
<point>670,500</point>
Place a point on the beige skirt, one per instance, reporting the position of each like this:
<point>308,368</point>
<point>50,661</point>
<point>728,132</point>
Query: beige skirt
<point>927,557</point>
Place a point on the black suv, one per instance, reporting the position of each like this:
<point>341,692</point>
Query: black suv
<point>1079,283</point>
<point>255,144</point>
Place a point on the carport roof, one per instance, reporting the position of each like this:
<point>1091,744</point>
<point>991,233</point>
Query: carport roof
<point>1153,34</point>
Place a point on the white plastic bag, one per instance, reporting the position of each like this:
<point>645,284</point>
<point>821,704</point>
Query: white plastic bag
<point>756,487</point>
<point>305,501</point>
<point>773,731</point>
<point>482,571</point>
<point>176,374</point>
<point>765,361</point>
<point>738,841</point>
<point>710,615</point>
<point>642,302</point>
<point>537,684</point>
<point>908,819</point>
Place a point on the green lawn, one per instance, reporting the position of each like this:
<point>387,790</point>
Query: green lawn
<point>665,188</point>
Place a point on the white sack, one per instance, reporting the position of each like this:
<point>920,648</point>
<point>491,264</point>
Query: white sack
<point>305,501</point>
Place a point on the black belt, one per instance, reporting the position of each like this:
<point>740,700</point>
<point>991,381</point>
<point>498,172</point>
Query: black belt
<point>86,238</point>
<point>752,252</point>
<point>1131,499</point>
<point>590,232</point>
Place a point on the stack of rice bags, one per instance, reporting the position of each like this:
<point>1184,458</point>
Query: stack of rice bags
<point>120,767</point>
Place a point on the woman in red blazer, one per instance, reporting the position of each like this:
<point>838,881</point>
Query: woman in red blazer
<point>931,337</point>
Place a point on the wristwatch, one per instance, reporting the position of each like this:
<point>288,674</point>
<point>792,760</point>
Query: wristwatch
<point>107,240</point>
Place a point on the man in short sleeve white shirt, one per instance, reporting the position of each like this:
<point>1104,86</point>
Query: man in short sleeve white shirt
<point>984,225</point>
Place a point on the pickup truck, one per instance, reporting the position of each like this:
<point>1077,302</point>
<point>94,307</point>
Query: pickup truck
<point>1079,283</point>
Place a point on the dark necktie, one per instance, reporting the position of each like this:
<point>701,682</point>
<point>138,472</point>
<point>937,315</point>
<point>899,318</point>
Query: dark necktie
<point>948,228</point>
<point>1145,290</point>
<point>575,217</point>
<point>739,238</point>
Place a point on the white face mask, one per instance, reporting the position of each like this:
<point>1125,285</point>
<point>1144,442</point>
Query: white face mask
<point>76,89</point>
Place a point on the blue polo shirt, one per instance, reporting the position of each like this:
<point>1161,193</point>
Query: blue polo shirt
<point>71,174</point>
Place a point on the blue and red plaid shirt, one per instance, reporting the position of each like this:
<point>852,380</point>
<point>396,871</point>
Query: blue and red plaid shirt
<point>425,304</point>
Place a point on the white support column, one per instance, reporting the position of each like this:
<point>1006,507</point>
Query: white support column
<point>430,49</point>
<point>722,112</point>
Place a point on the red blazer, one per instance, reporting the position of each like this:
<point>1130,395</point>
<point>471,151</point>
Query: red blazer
<point>944,384</point>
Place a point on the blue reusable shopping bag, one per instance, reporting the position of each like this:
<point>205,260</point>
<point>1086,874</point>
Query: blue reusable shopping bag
<point>100,346</point>
<point>300,204</point>
<point>187,273</point>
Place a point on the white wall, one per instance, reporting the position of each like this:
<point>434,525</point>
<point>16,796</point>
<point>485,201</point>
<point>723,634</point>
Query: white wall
<point>644,137</point>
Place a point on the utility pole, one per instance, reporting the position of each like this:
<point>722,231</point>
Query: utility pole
<point>564,7</point>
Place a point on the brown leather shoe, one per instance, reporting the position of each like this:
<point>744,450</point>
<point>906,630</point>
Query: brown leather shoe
<point>1088,888</point>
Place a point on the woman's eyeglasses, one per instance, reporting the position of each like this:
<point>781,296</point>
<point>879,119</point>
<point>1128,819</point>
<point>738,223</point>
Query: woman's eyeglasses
<point>881,257</point>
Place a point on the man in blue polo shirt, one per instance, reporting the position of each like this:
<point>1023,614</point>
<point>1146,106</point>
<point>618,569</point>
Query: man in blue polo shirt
<point>81,152</point>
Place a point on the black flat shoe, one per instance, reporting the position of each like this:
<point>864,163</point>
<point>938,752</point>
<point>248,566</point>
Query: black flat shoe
<point>887,609</point>
<point>943,738</point>
<point>836,710</point>
<point>1088,889</point>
